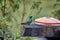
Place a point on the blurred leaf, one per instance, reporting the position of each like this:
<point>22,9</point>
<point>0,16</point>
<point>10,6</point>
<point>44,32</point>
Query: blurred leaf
<point>57,13</point>
<point>0,1</point>
<point>18,0</point>
<point>58,0</point>
<point>15,7</point>
<point>36,5</point>
<point>55,5</point>
<point>23,13</point>
<point>11,1</point>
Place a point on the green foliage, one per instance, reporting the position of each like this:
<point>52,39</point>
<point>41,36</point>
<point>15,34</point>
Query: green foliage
<point>3,23</point>
<point>12,4</point>
<point>15,6</point>
<point>0,1</point>
<point>11,1</point>
<point>14,1</point>
<point>57,13</point>
<point>4,27</point>
<point>28,38</point>
<point>19,1</point>
<point>23,14</point>
<point>36,5</point>
<point>55,5</point>
<point>58,0</point>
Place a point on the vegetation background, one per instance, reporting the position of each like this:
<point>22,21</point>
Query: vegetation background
<point>14,12</point>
